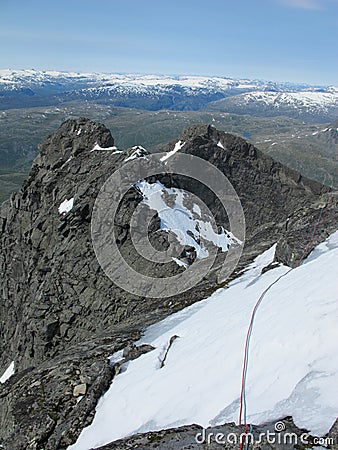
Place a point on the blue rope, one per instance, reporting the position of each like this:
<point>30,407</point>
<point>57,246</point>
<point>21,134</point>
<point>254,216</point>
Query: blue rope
<point>248,441</point>
<point>249,340</point>
<point>246,359</point>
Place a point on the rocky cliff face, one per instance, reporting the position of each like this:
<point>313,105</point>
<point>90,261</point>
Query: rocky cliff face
<point>61,316</point>
<point>52,284</point>
<point>279,204</point>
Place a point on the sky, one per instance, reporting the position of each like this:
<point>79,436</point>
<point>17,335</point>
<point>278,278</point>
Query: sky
<point>279,40</point>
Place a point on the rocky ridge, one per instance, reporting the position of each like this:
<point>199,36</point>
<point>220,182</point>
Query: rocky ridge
<point>61,317</point>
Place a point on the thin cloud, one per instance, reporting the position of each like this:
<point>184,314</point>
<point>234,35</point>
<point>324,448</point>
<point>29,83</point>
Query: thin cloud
<point>303,4</point>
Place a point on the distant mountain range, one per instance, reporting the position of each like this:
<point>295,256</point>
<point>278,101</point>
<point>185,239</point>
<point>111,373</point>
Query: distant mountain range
<point>28,88</point>
<point>309,105</point>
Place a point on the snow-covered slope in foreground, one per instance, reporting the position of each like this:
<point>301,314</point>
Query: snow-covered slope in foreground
<point>293,360</point>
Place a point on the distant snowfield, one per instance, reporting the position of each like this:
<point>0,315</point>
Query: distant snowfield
<point>285,97</point>
<point>306,99</point>
<point>293,360</point>
<point>15,79</point>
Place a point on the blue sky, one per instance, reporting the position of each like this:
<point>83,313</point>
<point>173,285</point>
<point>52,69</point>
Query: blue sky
<point>284,40</point>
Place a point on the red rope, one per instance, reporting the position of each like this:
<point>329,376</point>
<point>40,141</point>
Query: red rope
<point>247,343</point>
<point>248,335</point>
<point>243,437</point>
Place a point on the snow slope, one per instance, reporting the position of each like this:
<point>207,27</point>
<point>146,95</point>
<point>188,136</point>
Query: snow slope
<point>293,360</point>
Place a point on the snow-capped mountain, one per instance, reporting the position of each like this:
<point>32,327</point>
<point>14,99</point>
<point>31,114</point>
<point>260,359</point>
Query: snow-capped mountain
<point>305,103</point>
<point>20,88</point>
<point>19,79</point>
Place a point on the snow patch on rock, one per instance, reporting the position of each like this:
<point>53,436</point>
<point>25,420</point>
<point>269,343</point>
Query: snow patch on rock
<point>66,206</point>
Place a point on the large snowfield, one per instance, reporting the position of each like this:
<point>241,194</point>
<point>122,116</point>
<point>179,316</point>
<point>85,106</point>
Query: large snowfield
<point>293,359</point>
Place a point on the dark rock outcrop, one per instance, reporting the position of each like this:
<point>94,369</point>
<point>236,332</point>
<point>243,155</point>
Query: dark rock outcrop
<point>40,406</point>
<point>54,290</point>
<point>228,436</point>
<point>280,205</point>
<point>60,314</point>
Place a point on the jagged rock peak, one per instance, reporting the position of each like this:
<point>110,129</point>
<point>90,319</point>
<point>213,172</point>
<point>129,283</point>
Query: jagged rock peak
<point>200,135</point>
<point>193,131</point>
<point>202,132</point>
<point>239,158</point>
<point>208,132</point>
<point>73,137</point>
